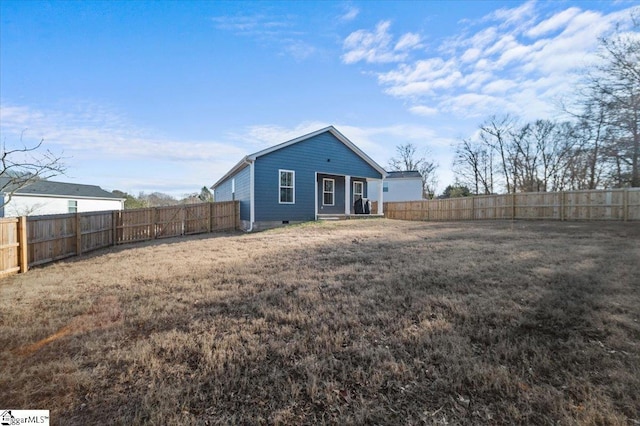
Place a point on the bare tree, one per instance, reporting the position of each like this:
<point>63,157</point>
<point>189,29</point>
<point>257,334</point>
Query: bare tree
<point>408,159</point>
<point>496,133</point>
<point>24,165</point>
<point>473,165</point>
<point>613,87</point>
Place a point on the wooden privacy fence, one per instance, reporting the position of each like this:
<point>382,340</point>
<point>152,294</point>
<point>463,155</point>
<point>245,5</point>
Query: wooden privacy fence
<point>608,204</point>
<point>53,237</point>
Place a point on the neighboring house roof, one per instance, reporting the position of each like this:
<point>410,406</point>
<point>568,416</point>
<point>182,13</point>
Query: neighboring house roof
<point>52,189</point>
<point>404,175</point>
<point>252,157</point>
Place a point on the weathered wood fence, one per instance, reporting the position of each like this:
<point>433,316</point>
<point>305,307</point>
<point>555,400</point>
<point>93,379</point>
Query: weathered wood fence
<point>609,204</point>
<point>36,240</point>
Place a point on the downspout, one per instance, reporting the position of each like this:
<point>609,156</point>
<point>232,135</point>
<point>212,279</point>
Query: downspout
<point>252,204</point>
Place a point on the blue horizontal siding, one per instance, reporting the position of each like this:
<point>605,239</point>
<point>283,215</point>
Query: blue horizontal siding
<point>242,194</point>
<point>338,208</point>
<point>323,154</point>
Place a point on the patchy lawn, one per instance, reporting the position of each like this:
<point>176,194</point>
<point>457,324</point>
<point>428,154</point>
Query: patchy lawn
<point>370,321</point>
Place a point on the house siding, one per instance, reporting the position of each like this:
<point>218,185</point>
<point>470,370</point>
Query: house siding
<point>31,205</point>
<point>407,189</point>
<point>223,192</point>
<point>323,154</point>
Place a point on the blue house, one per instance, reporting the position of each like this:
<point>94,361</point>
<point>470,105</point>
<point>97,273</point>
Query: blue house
<point>313,176</point>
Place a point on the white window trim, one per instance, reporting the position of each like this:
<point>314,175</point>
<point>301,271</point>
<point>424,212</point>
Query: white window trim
<point>333,192</point>
<point>355,194</point>
<point>293,186</point>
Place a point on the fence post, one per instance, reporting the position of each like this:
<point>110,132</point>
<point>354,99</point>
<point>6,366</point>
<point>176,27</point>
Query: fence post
<point>114,227</point>
<point>625,204</point>
<point>23,247</point>
<point>78,235</point>
<point>513,207</point>
<point>563,203</point>
<point>153,226</point>
<point>473,207</point>
<point>236,212</point>
<point>210,210</point>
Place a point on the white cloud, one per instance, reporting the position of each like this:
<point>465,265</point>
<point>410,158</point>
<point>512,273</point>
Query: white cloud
<point>255,24</point>
<point>408,41</point>
<point>350,14</point>
<point>101,147</point>
<point>96,133</point>
<point>516,16</point>
<point>554,23</point>
<point>471,55</point>
<point>372,47</point>
<point>299,49</point>
<point>515,60</point>
<point>376,46</point>
<point>499,87</point>
<point>423,110</point>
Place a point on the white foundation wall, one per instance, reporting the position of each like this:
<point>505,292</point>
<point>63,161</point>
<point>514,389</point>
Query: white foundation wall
<point>34,206</point>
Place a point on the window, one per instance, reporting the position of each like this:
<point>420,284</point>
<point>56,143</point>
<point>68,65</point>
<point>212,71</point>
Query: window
<point>385,186</point>
<point>358,190</point>
<point>287,187</point>
<point>328,192</point>
<point>73,206</point>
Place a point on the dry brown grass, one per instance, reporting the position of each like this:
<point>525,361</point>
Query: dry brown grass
<point>376,321</point>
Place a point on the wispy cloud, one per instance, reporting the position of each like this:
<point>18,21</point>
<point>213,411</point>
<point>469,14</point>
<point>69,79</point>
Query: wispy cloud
<point>279,32</point>
<point>491,64</point>
<point>255,24</point>
<point>377,46</point>
<point>102,147</point>
<point>350,13</point>
<point>97,133</point>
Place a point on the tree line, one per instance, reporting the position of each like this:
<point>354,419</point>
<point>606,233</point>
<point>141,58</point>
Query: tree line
<point>598,146</point>
<point>160,199</point>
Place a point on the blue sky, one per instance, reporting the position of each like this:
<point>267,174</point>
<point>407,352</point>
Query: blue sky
<point>168,96</point>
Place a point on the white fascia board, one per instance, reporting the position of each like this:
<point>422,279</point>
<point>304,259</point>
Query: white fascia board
<point>235,169</point>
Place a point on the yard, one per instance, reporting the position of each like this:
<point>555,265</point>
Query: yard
<point>370,321</point>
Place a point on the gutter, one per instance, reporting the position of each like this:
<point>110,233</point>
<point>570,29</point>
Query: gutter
<point>252,206</point>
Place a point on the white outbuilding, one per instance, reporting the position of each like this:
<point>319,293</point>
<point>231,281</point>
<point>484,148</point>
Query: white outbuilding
<point>399,186</point>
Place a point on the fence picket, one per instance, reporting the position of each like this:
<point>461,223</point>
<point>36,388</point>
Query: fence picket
<point>37,240</point>
<point>607,204</point>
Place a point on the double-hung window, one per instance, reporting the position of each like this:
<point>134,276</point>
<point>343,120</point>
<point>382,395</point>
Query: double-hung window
<point>73,206</point>
<point>328,192</point>
<point>287,187</point>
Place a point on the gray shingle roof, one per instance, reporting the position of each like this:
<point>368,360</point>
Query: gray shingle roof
<point>51,188</point>
<point>407,174</point>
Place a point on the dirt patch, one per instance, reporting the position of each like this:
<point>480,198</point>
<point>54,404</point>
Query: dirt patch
<point>104,313</point>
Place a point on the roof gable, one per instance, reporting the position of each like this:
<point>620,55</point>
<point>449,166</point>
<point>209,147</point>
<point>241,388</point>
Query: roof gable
<point>339,136</point>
